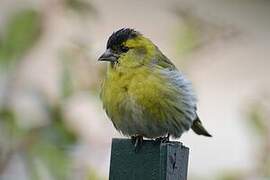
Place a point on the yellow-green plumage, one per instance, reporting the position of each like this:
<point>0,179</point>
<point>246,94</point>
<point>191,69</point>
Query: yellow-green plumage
<point>143,93</point>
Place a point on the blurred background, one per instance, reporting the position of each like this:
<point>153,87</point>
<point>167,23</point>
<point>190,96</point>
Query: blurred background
<point>52,126</point>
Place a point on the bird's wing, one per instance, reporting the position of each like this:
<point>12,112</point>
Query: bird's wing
<point>162,61</point>
<point>181,95</point>
<point>181,85</point>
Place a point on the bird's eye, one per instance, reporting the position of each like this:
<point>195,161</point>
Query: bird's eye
<point>124,48</point>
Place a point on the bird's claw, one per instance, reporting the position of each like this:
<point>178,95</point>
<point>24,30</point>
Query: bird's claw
<point>163,139</point>
<point>137,141</point>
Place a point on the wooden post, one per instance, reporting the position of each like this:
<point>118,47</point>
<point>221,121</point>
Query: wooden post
<point>154,161</point>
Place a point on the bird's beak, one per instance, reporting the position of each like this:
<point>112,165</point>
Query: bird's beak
<point>108,55</point>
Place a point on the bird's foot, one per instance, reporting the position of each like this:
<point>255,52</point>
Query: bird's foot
<point>163,139</point>
<point>137,141</point>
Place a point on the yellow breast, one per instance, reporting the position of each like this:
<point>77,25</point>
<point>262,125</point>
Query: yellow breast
<point>124,89</point>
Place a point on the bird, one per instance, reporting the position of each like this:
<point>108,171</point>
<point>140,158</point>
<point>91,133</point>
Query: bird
<point>143,92</point>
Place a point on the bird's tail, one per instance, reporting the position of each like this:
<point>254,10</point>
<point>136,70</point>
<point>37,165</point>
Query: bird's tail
<point>198,128</point>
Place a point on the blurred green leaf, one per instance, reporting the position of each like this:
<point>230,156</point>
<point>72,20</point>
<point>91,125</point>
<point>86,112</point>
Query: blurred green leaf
<point>257,120</point>
<point>21,32</point>
<point>58,133</point>
<point>31,167</point>
<point>9,124</point>
<point>66,80</point>
<point>93,175</point>
<point>54,158</point>
<point>53,145</point>
<point>81,6</point>
<point>1,45</point>
<point>10,136</point>
<point>187,40</point>
<point>7,115</point>
<point>231,175</point>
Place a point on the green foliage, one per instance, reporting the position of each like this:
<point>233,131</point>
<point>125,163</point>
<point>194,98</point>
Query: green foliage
<point>58,133</point>
<point>50,144</point>
<point>53,145</point>
<point>80,6</point>
<point>257,115</point>
<point>9,124</point>
<point>55,159</point>
<point>257,120</point>
<point>21,32</point>
<point>231,175</point>
<point>67,86</point>
<point>92,175</point>
<point>44,149</point>
<point>187,39</point>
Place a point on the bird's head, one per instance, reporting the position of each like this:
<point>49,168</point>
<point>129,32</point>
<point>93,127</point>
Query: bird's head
<point>128,48</point>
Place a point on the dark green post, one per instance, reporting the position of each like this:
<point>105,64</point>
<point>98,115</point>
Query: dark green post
<point>154,161</point>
